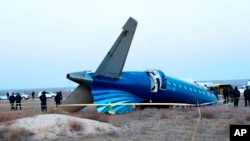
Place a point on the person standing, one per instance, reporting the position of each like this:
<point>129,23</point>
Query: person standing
<point>61,97</point>
<point>18,101</point>
<point>43,99</point>
<point>226,95</point>
<point>58,99</point>
<point>247,96</point>
<point>231,91</point>
<point>8,95</point>
<point>12,100</point>
<point>236,94</point>
<point>33,95</point>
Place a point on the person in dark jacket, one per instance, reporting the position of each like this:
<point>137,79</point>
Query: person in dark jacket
<point>226,95</point>
<point>12,100</point>
<point>231,91</point>
<point>236,94</point>
<point>43,99</point>
<point>8,95</point>
<point>18,101</point>
<point>247,96</point>
<point>33,95</point>
<point>58,98</point>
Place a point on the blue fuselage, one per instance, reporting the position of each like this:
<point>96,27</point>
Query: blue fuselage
<point>154,87</point>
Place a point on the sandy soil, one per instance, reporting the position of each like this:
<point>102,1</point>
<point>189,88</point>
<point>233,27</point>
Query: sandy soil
<point>55,126</point>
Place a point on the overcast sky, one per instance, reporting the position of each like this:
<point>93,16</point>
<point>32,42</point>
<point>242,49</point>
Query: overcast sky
<point>42,41</point>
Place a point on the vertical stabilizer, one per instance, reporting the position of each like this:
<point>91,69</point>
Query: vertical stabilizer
<point>113,63</point>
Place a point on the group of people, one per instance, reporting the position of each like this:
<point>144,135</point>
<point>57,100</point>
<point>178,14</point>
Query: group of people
<point>15,99</point>
<point>43,99</point>
<point>234,95</point>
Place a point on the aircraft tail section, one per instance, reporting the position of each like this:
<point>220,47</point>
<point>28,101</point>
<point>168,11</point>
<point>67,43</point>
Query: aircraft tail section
<point>113,63</point>
<point>81,95</point>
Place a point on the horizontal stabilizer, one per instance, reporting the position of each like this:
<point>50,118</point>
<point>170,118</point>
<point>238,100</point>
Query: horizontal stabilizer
<point>114,101</point>
<point>113,63</point>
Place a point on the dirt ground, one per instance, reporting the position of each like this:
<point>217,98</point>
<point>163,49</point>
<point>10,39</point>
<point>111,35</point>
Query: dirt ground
<point>169,124</point>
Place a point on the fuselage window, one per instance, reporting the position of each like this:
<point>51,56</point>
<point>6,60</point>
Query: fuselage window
<point>195,90</point>
<point>168,83</point>
<point>174,84</point>
<point>180,86</point>
<point>191,89</point>
<point>185,87</point>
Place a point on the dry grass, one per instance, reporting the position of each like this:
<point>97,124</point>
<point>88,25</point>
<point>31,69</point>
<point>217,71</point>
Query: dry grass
<point>94,115</point>
<point>75,125</point>
<point>248,117</point>
<point>16,134</point>
<point>3,132</point>
<point>12,115</point>
<point>208,114</point>
<point>89,115</point>
<point>7,116</point>
<point>176,124</point>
